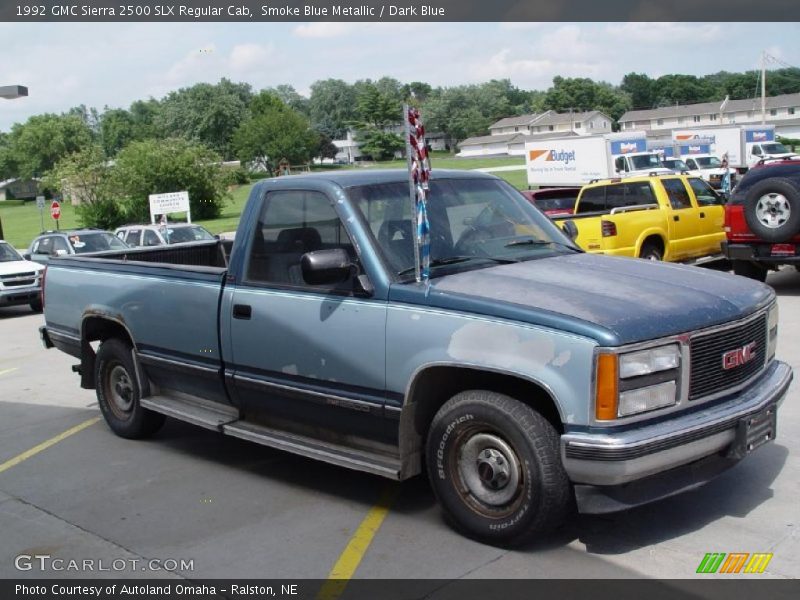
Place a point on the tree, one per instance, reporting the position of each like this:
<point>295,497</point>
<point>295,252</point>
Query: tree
<point>288,95</point>
<point>206,113</point>
<point>274,132</point>
<point>43,140</point>
<point>582,94</point>
<point>85,176</point>
<point>377,111</point>
<point>640,88</point>
<point>332,107</point>
<point>169,165</point>
<point>117,129</point>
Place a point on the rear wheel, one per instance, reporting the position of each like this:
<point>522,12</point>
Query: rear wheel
<point>650,251</point>
<point>749,269</point>
<point>118,392</point>
<point>495,467</point>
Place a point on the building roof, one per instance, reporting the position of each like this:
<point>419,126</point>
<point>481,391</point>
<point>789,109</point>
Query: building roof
<point>554,118</point>
<point>707,108</point>
<point>551,135</point>
<point>516,121</point>
<point>491,139</point>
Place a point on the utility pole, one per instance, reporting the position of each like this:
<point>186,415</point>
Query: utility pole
<point>763,87</point>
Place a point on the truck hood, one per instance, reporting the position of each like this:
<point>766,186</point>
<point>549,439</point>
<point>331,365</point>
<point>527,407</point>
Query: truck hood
<point>615,300</point>
<point>19,266</point>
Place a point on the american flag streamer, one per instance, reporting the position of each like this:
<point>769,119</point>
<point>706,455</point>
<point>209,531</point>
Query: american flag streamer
<point>420,174</point>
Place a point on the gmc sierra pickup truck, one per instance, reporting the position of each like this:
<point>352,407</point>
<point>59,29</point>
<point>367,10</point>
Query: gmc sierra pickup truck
<point>523,374</point>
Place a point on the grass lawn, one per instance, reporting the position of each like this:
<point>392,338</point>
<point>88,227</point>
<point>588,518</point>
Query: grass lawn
<point>21,221</point>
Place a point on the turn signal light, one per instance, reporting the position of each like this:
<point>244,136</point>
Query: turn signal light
<point>606,396</point>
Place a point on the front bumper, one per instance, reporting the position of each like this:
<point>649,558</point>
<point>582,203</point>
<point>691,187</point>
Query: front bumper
<point>22,295</point>
<point>645,454</point>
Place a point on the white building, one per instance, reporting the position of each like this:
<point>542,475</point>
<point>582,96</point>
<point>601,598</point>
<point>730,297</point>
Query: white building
<point>508,135</point>
<point>782,111</point>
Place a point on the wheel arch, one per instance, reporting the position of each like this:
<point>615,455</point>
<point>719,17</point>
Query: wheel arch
<point>656,237</point>
<point>433,385</point>
<point>99,327</point>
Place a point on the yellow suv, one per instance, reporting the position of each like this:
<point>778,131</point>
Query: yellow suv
<point>657,217</point>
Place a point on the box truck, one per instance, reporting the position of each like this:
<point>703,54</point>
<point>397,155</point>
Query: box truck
<point>578,160</point>
<point>745,145</point>
<point>697,157</point>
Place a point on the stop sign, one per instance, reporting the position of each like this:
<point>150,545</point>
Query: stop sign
<point>55,210</point>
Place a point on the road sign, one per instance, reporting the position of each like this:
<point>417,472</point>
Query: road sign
<point>55,210</point>
<point>40,202</point>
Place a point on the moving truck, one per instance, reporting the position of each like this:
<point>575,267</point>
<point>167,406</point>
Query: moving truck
<point>579,160</point>
<point>697,155</point>
<point>745,145</point>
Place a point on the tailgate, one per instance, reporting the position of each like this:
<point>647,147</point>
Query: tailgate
<point>590,235</point>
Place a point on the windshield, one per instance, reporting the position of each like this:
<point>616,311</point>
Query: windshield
<point>95,242</point>
<point>676,164</point>
<point>708,162</point>
<point>8,254</point>
<point>476,222</point>
<point>179,235</point>
<point>646,161</point>
<point>774,148</point>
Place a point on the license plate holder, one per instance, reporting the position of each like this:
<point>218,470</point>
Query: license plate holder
<point>754,431</point>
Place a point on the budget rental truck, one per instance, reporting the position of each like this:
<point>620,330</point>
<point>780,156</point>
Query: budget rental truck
<point>577,160</point>
<point>523,375</point>
<point>745,145</point>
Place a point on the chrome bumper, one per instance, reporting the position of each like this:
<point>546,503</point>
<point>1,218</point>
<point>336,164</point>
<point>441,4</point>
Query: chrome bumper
<point>614,458</point>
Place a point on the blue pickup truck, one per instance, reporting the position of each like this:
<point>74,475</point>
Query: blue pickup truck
<point>525,376</point>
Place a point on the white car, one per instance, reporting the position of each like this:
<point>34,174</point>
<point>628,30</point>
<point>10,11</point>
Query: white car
<point>160,235</point>
<point>20,279</point>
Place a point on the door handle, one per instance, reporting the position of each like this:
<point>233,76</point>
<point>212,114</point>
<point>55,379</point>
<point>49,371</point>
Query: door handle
<point>242,311</point>
<point>702,215</point>
<point>676,218</point>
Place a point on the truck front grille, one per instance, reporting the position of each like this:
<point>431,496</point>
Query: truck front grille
<point>709,374</point>
<point>18,279</point>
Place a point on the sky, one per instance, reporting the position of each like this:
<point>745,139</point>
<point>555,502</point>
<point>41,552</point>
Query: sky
<point>114,64</point>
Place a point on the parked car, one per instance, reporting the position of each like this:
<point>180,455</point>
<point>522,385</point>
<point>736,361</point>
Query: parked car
<point>554,202</point>
<point>74,241</point>
<point>762,219</point>
<point>674,218</point>
<point>160,235</point>
<point>20,279</point>
<point>524,374</point>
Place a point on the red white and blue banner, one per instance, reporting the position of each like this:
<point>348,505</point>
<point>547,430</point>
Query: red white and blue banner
<point>420,175</point>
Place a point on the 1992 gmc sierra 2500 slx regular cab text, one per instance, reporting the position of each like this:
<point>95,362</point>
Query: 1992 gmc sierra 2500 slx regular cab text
<point>523,374</point>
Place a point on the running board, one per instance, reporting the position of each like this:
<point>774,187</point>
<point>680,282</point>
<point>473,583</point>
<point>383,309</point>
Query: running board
<point>359,460</point>
<point>210,415</point>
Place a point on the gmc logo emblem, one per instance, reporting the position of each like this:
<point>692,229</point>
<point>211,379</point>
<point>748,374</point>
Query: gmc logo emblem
<point>739,357</point>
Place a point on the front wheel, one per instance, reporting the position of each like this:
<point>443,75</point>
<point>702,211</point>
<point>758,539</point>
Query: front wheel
<point>118,392</point>
<point>495,467</point>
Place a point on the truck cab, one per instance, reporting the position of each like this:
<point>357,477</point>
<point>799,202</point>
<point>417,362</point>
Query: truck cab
<point>767,151</point>
<point>709,167</point>
<point>640,163</point>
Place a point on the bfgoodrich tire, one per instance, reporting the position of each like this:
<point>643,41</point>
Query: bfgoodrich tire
<point>495,467</point>
<point>118,392</point>
<point>772,209</point>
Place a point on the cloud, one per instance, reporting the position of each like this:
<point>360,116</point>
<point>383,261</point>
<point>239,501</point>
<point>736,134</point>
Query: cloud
<point>666,33</point>
<point>323,30</point>
<point>247,57</point>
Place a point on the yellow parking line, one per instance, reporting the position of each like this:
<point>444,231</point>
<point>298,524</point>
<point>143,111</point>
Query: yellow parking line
<point>357,547</point>
<point>8,370</point>
<point>45,445</point>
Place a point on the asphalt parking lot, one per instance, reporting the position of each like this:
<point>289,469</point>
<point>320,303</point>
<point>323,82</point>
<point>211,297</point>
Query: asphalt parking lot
<point>227,508</point>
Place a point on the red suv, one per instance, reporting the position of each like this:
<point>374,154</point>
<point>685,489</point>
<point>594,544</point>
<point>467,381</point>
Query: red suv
<point>762,219</point>
<point>554,202</point>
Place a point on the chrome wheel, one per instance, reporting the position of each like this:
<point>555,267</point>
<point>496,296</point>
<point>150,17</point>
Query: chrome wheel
<point>120,391</point>
<point>490,470</point>
<point>773,210</point>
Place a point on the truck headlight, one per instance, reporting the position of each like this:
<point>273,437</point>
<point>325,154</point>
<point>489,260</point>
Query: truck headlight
<point>644,362</point>
<point>636,382</point>
<point>772,332</point>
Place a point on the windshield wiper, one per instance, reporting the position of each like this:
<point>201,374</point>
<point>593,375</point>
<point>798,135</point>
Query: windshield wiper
<point>533,242</point>
<point>452,260</point>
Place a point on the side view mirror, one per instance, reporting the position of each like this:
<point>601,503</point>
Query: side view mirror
<point>325,266</point>
<point>571,230</point>
<point>26,255</point>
